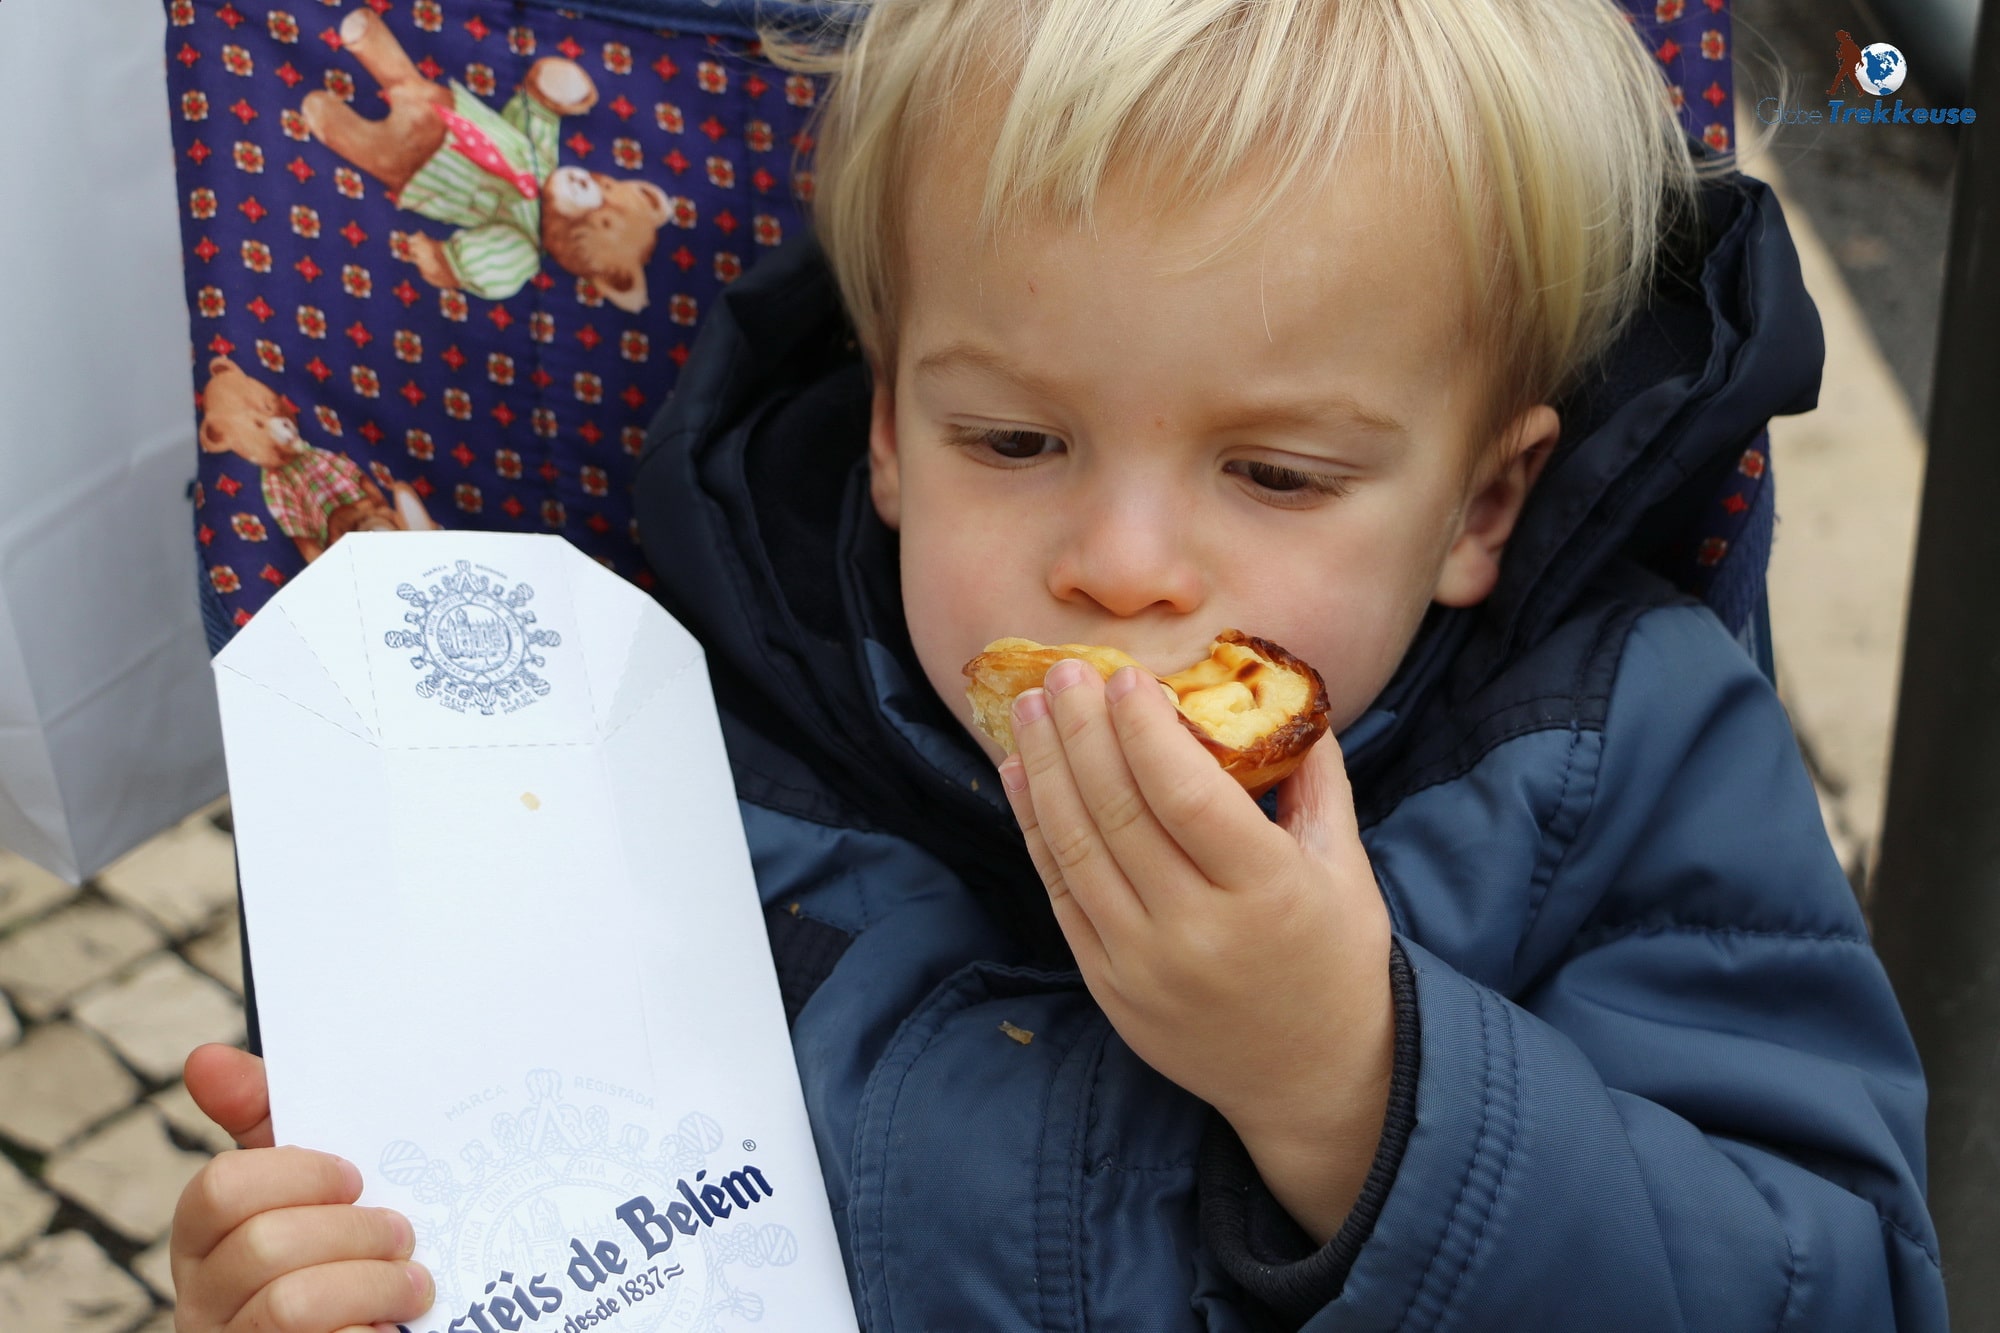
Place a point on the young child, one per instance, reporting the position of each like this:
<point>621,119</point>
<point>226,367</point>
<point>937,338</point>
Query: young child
<point>1537,1001</point>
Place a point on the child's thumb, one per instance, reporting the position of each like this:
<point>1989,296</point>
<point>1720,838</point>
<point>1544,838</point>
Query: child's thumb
<point>1316,803</point>
<point>228,1085</point>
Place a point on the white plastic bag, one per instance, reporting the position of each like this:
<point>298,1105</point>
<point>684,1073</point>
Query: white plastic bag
<point>108,730</point>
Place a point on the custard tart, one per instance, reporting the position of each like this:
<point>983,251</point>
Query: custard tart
<point>1251,704</point>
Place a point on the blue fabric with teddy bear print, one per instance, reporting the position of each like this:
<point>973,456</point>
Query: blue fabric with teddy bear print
<point>302,131</point>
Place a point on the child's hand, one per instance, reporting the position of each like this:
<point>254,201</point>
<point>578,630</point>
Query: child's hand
<point>268,1240</point>
<point>1245,960</point>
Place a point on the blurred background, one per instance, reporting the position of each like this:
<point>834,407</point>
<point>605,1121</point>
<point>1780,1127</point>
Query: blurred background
<point>1871,213</point>
<point>104,988</point>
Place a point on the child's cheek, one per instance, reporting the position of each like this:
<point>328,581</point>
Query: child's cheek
<point>947,614</point>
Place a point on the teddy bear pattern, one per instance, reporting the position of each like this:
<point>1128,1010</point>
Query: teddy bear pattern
<point>447,156</point>
<point>315,496</point>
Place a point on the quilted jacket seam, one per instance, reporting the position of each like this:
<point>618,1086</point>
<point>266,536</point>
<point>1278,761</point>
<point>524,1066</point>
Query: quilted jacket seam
<point>1444,776</point>
<point>1616,622</point>
<point>1791,1252</point>
<point>1923,1246</point>
<point>1071,1218</point>
<point>1600,936</point>
<point>1554,849</point>
<point>933,1010</point>
<point>1412,1317</point>
<point>1095,1037</point>
<point>1564,840</point>
<point>1513,1130</point>
<point>776,786</point>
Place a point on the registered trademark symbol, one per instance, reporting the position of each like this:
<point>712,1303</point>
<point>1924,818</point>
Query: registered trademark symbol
<point>749,1145</point>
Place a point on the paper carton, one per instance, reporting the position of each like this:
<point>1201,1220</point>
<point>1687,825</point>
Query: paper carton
<point>506,944</point>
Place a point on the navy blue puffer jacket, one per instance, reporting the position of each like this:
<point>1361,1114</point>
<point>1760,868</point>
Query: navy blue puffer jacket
<point>1650,1075</point>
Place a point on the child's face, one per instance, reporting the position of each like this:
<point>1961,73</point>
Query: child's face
<point>1084,445</point>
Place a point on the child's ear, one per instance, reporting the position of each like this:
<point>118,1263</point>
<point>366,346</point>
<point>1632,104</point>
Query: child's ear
<point>885,483</point>
<point>1472,565</point>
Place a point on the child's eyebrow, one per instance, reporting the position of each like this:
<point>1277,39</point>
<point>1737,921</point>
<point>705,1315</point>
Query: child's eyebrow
<point>1308,412</point>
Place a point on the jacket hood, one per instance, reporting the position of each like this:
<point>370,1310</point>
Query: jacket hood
<point>754,514</point>
<point>1728,340</point>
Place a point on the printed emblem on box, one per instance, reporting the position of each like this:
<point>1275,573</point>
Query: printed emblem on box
<point>476,642</point>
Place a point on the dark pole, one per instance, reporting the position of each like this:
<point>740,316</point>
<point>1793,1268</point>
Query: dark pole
<point>1937,899</point>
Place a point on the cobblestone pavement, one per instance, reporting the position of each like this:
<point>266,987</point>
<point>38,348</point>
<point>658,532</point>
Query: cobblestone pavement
<point>103,992</point>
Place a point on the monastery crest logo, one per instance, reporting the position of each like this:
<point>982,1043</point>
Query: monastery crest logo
<point>476,640</point>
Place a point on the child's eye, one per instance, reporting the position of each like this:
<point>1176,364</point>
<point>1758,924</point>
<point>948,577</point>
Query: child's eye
<point>1294,486</point>
<point>1016,446</point>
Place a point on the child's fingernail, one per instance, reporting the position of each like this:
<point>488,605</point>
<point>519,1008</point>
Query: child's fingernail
<point>1123,681</point>
<point>420,1283</point>
<point>1031,706</point>
<point>1014,773</point>
<point>1064,674</point>
<point>406,1238</point>
<point>350,1173</point>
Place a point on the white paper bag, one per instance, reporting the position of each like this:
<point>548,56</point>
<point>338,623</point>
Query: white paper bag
<point>508,950</point>
<point>107,717</point>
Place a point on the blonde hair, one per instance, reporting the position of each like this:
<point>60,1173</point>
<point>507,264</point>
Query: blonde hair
<point>1544,124</point>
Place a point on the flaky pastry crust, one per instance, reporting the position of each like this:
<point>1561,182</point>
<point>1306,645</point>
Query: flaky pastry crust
<point>1251,704</point>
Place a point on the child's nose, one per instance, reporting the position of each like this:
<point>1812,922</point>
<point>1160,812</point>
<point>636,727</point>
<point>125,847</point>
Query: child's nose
<point>1129,551</point>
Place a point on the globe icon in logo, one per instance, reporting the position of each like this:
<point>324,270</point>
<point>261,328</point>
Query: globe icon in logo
<point>1881,69</point>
